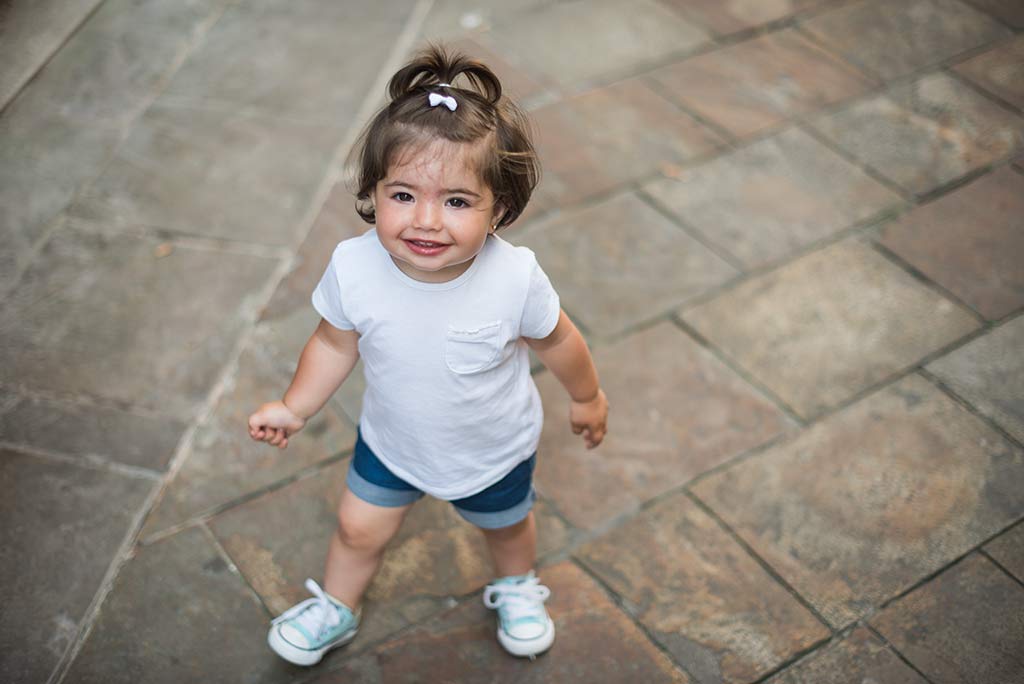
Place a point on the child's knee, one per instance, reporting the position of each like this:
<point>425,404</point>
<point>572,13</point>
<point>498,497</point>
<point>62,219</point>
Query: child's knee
<point>364,527</point>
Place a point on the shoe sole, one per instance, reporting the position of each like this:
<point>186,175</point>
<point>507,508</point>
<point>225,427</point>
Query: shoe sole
<point>300,656</point>
<point>528,649</point>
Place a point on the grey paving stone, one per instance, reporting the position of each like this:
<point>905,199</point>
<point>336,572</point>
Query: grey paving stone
<point>964,626</point>
<point>926,133</point>
<point>178,612</point>
<point>676,412</point>
<point>970,242</point>
<point>894,39</point>
<point>699,594</point>
<point>724,18</point>
<point>989,373</point>
<point>767,200</point>
<point>595,642</point>
<point>1000,71</point>
<point>758,83</point>
<point>107,316</point>
<point>454,19</point>
<point>559,40</point>
<point>1008,550</point>
<point>860,657</point>
<point>1010,12</point>
<point>62,525</point>
<point>872,499</point>
<point>517,82</point>
<point>612,278</point>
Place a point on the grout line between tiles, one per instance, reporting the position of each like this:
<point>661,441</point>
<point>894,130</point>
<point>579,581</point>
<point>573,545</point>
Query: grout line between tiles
<point>888,644</point>
<point>233,568</point>
<point>1002,567</point>
<point>89,461</point>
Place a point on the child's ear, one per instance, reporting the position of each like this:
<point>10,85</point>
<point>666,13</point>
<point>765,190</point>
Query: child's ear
<point>496,214</point>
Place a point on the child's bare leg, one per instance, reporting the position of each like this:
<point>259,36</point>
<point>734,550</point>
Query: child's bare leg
<point>514,548</point>
<point>357,546</point>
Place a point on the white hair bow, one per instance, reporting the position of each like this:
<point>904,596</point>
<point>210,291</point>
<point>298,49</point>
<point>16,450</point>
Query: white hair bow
<point>447,100</point>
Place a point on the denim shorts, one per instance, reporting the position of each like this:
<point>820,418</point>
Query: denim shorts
<point>504,503</point>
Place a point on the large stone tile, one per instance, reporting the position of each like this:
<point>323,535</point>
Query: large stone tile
<point>1008,550</point>
<point>520,84</point>
<point>963,627</point>
<point>578,44</point>
<point>926,133</point>
<point>178,612</point>
<point>213,173</point>
<point>676,412</point>
<point>767,200</point>
<point>829,325</point>
<point>870,500</point>
<point>451,20</point>
<point>611,277</point>
<point>756,84</point>
<point>62,525</point>
<point>112,317</point>
<point>729,17</point>
<point>896,38</point>
<point>1010,12</point>
<point>595,642</point>
<point>1000,71</point>
<point>970,242</point>
<point>859,657</point>
<point>989,373</point>
<point>708,603</point>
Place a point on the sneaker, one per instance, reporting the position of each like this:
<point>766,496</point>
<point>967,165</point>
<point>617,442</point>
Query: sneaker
<point>303,633</point>
<point>524,627</point>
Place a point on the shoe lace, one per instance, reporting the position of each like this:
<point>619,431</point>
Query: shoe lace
<point>315,614</point>
<point>514,602</point>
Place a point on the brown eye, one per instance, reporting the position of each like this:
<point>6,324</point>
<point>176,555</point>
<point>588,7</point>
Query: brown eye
<point>402,197</point>
<point>458,202</point>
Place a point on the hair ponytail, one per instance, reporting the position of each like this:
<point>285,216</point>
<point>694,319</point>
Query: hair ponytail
<point>434,66</point>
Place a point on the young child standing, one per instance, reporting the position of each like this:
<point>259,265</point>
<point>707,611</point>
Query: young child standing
<point>442,311</point>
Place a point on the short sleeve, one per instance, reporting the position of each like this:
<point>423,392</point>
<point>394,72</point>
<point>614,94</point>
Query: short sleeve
<point>327,298</point>
<point>540,314</point>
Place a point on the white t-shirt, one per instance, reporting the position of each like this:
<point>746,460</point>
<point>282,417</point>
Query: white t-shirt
<point>449,406</point>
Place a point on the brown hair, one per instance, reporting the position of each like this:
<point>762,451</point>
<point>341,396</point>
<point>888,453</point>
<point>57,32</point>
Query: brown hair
<point>509,164</point>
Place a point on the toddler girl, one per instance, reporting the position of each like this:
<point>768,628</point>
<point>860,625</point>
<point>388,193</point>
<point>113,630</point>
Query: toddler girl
<point>442,312</point>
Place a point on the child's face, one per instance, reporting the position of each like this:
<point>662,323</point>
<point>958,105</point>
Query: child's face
<point>434,212</point>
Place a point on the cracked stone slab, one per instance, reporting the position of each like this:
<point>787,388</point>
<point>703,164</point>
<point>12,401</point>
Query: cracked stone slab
<point>697,592</point>
<point>1008,550</point>
<point>860,657</point>
<point>870,500</point>
<point>829,325</point>
<point>724,18</point>
<point>999,71</point>
<point>962,627</point>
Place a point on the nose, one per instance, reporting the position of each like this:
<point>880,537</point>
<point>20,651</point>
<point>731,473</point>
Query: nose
<point>428,215</point>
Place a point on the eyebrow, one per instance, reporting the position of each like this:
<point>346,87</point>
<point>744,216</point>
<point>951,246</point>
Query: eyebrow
<point>447,191</point>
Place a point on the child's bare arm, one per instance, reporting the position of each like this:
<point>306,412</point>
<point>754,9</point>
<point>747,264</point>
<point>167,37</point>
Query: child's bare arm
<point>565,354</point>
<point>327,359</point>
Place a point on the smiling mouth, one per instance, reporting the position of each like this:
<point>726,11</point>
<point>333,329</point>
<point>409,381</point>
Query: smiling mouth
<point>426,247</point>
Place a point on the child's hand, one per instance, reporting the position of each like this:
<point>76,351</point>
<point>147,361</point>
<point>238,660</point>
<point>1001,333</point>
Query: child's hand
<point>590,418</point>
<point>274,423</point>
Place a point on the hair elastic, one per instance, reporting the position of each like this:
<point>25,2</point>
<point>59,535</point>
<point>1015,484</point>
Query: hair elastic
<point>447,100</point>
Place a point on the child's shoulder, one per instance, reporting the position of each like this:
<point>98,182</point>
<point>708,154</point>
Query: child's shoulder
<point>357,247</point>
<point>511,254</point>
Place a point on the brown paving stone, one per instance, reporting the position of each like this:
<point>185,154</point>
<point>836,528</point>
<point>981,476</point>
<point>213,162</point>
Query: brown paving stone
<point>595,642</point>
<point>729,17</point>
<point>1008,550</point>
<point>758,83</point>
<point>963,627</point>
<point>109,316</point>
<point>715,610</point>
<point>517,83</point>
<point>860,658</point>
<point>1000,71</point>
<point>829,325</point>
<point>62,525</point>
<point>896,38</point>
<point>865,503</point>
<point>926,133</point>
<point>676,411</point>
<point>178,613</point>
<point>619,262</point>
<point>989,374</point>
<point>1010,12</point>
<point>766,200</point>
<point>970,242</point>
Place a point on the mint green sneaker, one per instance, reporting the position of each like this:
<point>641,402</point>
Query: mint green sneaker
<point>524,627</point>
<point>303,633</point>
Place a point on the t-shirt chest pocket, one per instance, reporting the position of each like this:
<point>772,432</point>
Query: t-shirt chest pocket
<point>472,349</point>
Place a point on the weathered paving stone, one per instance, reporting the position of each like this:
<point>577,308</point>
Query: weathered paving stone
<point>698,593</point>
<point>894,39</point>
<point>1010,12</point>
<point>450,20</point>
<point>178,612</point>
<point>870,500</point>
<point>926,133</point>
<point>281,539</point>
<point>1000,71</point>
<point>729,17</point>
<point>1008,550</point>
<point>756,84</point>
<point>62,525</point>
<point>989,374</point>
<point>829,325</point>
<point>970,242</point>
<point>764,201</point>
<point>114,317</point>
<point>612,277</point>
<point>595,642</point>
<point>860,657</point>
<point>963,627</point>
<point>559,40</point>
<point>521,85</point>
<point>85,430</point>
<point>676,412</point>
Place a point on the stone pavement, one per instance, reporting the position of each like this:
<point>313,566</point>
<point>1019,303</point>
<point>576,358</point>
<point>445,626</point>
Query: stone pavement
<point>792,230</point>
